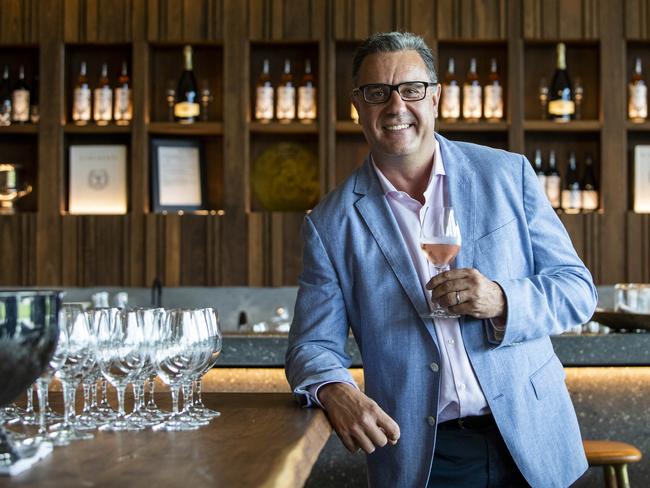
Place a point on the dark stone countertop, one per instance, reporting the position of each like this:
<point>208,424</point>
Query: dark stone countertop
<point>267,350</point>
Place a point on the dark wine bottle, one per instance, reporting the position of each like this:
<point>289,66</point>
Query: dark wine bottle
<point>20,99</point>
<point>553,182</point>
<point>187,108</point>
<point>561,106</point>
<point>572,192</point>
<point>539,168</point>
<point>589,187</point>
<point>5,98</point>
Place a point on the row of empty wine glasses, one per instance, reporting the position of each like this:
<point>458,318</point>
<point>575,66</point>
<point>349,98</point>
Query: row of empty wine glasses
<point>130,346</point>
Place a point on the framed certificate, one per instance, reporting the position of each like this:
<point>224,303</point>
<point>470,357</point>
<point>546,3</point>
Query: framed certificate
<point>177,175</point>
<point>97,180</point>
<point>642,179</point>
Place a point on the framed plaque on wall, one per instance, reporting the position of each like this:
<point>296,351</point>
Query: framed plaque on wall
<point>177,175</point>
<point>642,179</point>
<point>97,180</point>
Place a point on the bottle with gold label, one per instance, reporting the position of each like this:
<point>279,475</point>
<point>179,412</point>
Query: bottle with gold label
<point>493,95</point>
<point>286,105</point>
<point>81,106</point>
<point>472,94</point>
<point>264,95</point>
<point>637,107</point>
<point>123,112</point>
<point>307,96</point>
<point>561,107</point>
<point>186,106</point>
<point>450,103</point>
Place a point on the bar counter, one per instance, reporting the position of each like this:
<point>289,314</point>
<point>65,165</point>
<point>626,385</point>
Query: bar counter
<point>260,440</point>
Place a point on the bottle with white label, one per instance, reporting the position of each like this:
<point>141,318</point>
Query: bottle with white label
<point>539,169</point>
<point>285,110</point>
<point>103,99</point>
<point>81,102</point>
<point>264,95</point>
<point>450,103</point>
<point>472,94</point>
<point>637,108</point>
<point>589,187</point>
<point>123,110</point>
<point>307,96</point>
<point>493,94</point>
<point>553,182</point>
<point>20,99</point>
<point>572,192</point>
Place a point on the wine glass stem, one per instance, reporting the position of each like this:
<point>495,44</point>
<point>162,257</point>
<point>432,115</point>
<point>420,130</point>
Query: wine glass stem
<point>120,401</point>
<point>198,400</point>
<point>86,389</point>
<point>41,388</point>
<point>187,395</point>
<point>136,396</point>
<point>174,389</point>
<point>66,405</point>
<point>152,388</point>
<point>93,395</point>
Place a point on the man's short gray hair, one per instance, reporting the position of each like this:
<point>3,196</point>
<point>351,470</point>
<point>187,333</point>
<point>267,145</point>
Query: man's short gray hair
<point>389,42</point>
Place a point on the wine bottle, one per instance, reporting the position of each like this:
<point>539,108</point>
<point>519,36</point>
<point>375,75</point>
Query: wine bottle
<point>5,98</point>
<point>472,96</point>
<point>307,96</point>
<point>450,104</point>
<point>561,106</point>
<point>572,192</point>
<point>286,106</point>
<point>264,95</point>
<point>123,110</point>
<point>637,108</point>
<point>589,187</point>
<point>20,99</point>
<point>103,99</point>
<point>539,169</point>
<point>81,102</point>
<point>493,103</point>
<point>34,109</point>
<point>187,108</point>
<point>553,182</point>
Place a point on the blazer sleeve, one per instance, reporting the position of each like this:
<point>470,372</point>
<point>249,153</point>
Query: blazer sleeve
<point>319,331</point>
<point>561,292</point>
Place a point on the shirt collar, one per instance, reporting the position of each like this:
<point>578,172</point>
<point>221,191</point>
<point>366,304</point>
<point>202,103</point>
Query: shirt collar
<point>438,170</point>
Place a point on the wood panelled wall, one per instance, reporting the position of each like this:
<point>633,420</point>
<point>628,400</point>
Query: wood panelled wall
<point>242,247</point>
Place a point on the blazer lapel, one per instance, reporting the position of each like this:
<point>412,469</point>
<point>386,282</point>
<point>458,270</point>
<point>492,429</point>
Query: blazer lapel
<point>378,216</point>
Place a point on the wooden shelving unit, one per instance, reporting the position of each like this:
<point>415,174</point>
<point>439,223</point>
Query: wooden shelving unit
<point>236,241</point>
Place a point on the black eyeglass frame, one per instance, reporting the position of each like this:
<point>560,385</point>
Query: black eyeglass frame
<point>361,89</point>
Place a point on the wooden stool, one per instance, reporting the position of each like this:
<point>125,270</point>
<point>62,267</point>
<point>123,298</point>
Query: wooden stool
<point>613,456</point>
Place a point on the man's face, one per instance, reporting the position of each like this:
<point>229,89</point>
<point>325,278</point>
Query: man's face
<point>397,129</point>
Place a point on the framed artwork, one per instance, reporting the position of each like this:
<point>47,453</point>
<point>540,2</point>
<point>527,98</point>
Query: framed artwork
<point>97,180</point>
<point>177,175</point>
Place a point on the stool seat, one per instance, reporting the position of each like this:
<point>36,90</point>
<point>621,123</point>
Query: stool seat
<point>613,456</point>
<point>610,452</point>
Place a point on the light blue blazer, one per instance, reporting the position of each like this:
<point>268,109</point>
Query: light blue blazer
<point>358,274</point>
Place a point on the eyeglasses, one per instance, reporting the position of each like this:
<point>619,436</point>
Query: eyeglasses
<point>409,91</point>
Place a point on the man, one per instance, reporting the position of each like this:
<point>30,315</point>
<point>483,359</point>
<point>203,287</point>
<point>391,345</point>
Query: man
<point>475,401</point>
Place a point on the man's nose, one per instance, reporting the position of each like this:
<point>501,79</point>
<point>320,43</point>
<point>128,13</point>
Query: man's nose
<point>395,104</point>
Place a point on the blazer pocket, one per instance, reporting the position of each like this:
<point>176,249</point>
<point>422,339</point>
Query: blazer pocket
<point>496,250</point>
<point>547,378</point>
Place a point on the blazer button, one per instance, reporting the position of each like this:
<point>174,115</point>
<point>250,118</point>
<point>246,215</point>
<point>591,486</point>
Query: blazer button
<point>434,367</point>
<point>431,420</point>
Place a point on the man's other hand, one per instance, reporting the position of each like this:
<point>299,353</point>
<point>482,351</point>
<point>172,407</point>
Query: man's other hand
<point>357,419</point>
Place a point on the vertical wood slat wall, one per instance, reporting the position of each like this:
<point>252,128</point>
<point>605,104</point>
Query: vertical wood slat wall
<point>244,247</point>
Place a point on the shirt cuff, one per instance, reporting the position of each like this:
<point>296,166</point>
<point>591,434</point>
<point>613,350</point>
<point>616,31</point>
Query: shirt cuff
<point>312,390</point>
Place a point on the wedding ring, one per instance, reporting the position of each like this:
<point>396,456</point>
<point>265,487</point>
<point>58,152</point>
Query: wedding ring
<point>457,297</point>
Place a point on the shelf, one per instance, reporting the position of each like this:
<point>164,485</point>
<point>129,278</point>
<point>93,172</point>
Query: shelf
<point>196,129</point>
<point>481,126</point>
<point>19,129</point>
<point>92,128</point>
<point>573,126</point>
<point>348,127</point>
<point>639,127</point>
<point>279,128</point>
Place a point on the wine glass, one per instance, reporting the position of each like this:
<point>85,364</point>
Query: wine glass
<point>440,242</point>
<point>213,345</point>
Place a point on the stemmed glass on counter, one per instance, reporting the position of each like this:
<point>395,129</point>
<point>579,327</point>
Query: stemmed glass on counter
<point>440,242</point>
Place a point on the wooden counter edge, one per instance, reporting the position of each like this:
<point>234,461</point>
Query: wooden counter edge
<point>300,457</point>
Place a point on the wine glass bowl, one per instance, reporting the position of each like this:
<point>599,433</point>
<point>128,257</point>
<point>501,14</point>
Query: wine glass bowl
<point>440,241</point>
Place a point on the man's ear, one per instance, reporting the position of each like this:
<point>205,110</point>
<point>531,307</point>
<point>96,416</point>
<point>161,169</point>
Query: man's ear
<point>436,99</point>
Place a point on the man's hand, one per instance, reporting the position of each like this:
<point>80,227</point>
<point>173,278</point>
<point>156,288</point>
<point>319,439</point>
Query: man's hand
<point>357,419</point>
<point>467,292</point>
